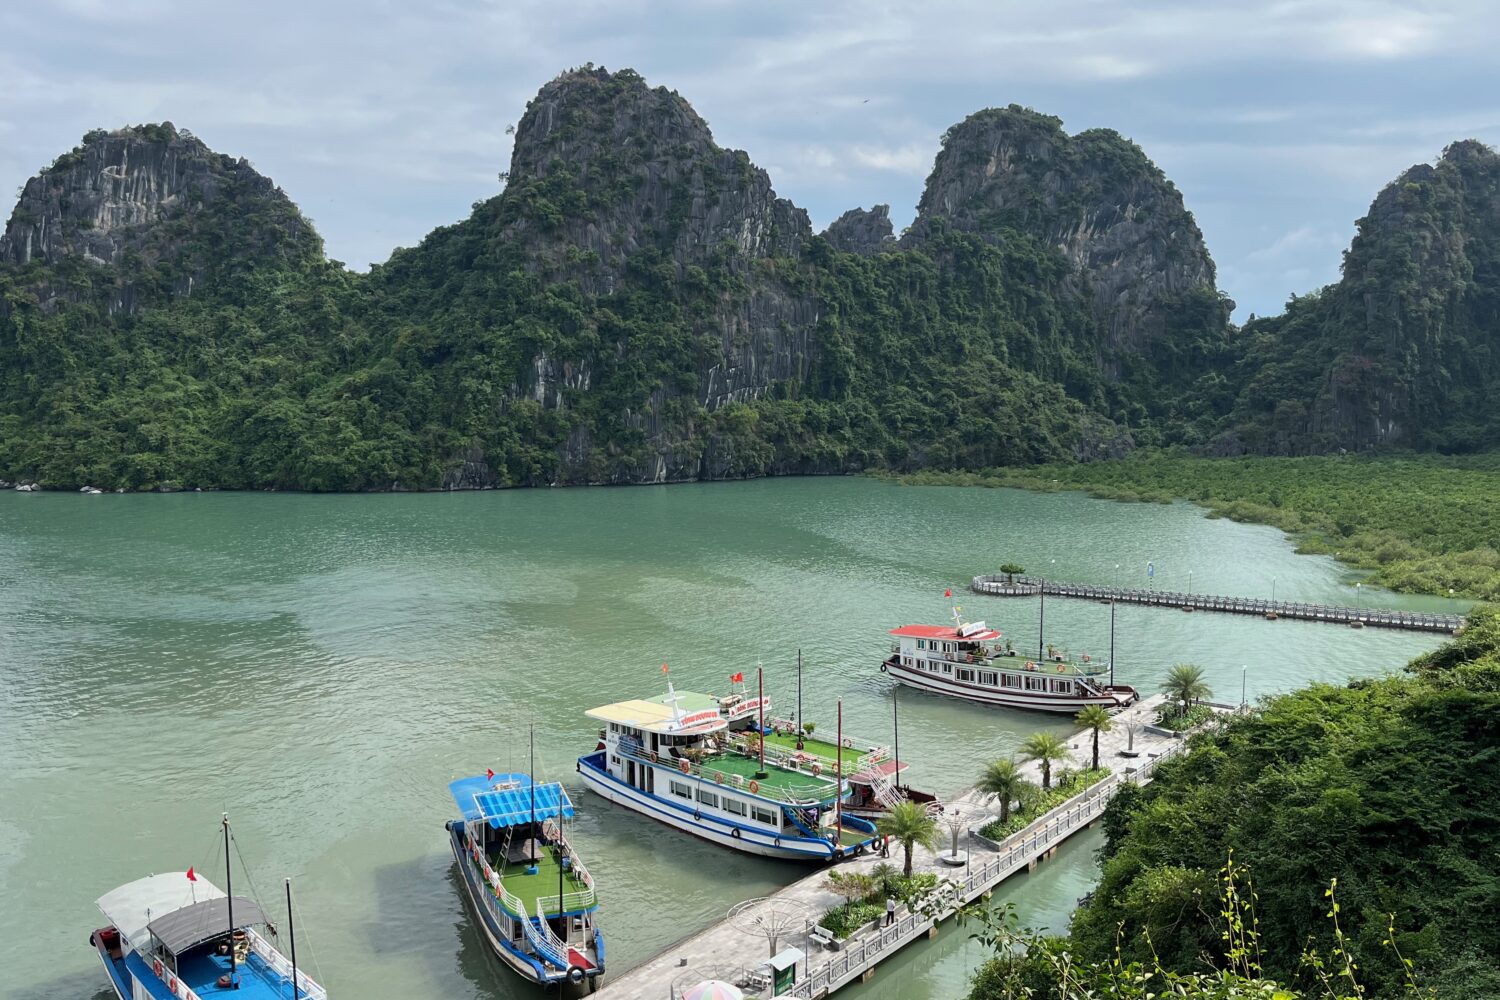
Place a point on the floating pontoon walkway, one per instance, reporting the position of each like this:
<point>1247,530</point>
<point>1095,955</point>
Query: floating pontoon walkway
<point>727,950</point>
<point>1000,585</point>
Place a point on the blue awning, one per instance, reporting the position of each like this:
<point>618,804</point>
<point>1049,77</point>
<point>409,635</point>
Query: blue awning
<point>506,799</point>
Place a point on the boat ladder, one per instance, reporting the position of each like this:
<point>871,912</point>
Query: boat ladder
<point>886,791</point>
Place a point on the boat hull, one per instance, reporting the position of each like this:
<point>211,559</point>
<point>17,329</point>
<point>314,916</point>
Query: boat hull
<point>117,976</point>
<point>526,966</point>
<point>1035,701</point>
<point>749,840</point>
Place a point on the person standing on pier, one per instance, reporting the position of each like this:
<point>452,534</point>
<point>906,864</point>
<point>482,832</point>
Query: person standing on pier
<point>890,910</point>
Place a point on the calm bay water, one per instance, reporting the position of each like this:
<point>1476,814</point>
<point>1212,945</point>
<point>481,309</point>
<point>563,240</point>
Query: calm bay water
<point>321,666</point>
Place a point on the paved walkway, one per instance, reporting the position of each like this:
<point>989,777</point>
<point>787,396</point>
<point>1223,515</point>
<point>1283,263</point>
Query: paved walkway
<point>728,951</point>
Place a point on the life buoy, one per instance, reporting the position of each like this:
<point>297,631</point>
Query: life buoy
<point>848,743</point>
<point>778,842</point>
<point>575,974</point>
<point>651,756</point>
<point>685,766</point>
<point>882,666</point>
<point>1062,668</point>
<point>1030,665</point>
<point>718,777</point>
<point>735,833</point>
<point>754,786</point>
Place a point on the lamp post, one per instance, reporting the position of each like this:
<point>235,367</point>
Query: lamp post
<point>1243,671</point>
<point>1190,583</point>
<point>1273,590</point>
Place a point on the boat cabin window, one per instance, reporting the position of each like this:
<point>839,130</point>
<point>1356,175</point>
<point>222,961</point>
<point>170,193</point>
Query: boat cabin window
<point>765,816</point>
<point>734,806</point>
<point>708,798</point>
<point>921,643</point>
<point>678,788</point>
<point>987,677</point>
<point>1036,684</point>
<point>965,674</point>
<point>1010,680</point>
<point>1063,686</point>
<point>947,668</point>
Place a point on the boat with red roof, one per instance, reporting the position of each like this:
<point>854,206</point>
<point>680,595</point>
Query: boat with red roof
<point>973,661</point>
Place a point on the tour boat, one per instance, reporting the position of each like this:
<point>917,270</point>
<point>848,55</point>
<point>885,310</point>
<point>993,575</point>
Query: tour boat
<point>675,759</point>
<point>968,660</point>
<point>534,898</point>
<point>177,935</point>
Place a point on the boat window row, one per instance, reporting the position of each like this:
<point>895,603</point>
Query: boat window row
<point>728,803</point>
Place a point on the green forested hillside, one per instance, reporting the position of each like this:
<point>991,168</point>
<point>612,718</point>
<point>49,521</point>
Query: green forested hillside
<point>638,305</point>
<point>1390,787</point>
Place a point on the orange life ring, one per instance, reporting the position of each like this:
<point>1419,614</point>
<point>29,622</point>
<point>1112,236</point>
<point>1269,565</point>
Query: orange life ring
<point>651,756</point>
<point>1030,665</point>
<point>685,765</point>
<point>718,777</point>
<point>1062,668</point>
<point>754,786</point>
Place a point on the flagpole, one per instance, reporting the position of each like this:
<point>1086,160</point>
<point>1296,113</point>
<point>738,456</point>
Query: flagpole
<point>532,740</point>
<point>291,926</point>
<point>838,790</point>
<point>760,681</point>
<point>229,899</point>
<point>896,724</point>
<point>799,693</point>
<point>1111,642</point>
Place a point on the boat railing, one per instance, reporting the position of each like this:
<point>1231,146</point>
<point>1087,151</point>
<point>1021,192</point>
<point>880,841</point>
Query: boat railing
<point>176,986</point>
<point>508,899</point>
<point>282,966</point>
<point>871,753</point>
<point>546,943</point>
<point>1055,663</point>
<point>810,794</point>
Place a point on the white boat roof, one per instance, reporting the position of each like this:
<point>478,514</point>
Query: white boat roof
<point>693,715</point>
<point>133,906</point>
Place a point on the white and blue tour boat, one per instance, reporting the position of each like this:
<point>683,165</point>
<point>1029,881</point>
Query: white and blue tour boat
<point>676,759</point>
<point>533,896</point>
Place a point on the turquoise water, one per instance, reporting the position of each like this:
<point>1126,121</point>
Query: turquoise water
<point>321,666</point>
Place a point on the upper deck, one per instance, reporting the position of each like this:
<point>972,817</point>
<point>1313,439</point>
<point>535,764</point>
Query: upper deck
<point>981,647</point>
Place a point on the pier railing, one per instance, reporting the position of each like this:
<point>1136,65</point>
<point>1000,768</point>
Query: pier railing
<point>1019,850</point>
<point>1001,585</point>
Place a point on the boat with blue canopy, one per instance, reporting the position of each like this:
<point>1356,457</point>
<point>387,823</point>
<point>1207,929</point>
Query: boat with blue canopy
<point>534,897</point>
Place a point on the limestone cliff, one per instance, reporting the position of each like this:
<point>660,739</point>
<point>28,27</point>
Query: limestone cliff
<point>147,198</point>
<point>862,232</point>
<point>1404,350</point>
<point>1094,196</point>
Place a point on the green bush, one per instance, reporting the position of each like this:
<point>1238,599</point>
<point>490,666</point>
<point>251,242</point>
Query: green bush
<point>1066,785</point>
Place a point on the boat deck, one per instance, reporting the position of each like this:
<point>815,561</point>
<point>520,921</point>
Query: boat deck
<point>201,970</point>
<point>818,748</point>
<point>543,885</point>
<point>777,778</point>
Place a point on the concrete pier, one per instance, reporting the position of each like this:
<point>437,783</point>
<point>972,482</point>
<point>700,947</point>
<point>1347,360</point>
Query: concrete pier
<point>1001,585</point>
<point>725,951</point>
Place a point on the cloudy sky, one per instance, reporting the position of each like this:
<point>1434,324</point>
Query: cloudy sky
<point>1278,119</point>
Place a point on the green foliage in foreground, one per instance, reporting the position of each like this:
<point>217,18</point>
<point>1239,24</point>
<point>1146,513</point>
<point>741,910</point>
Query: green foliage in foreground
<point>1421,524</point>
<point>1039,801</point>
<point>1180,719</point>
<point>1391,787</point>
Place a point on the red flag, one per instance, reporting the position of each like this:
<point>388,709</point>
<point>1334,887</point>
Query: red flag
<point>948,592</point>
<point>663,668</point>
<point>191,876</point>
<point>738,678</point>
<point>489,774</point>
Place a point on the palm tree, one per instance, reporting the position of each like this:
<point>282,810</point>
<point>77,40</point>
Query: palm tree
<point>1096,718</point>
<point>908,824</point>
<point>1004,782</point>
<point>1044,748</point>
<point>1186,685</point>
